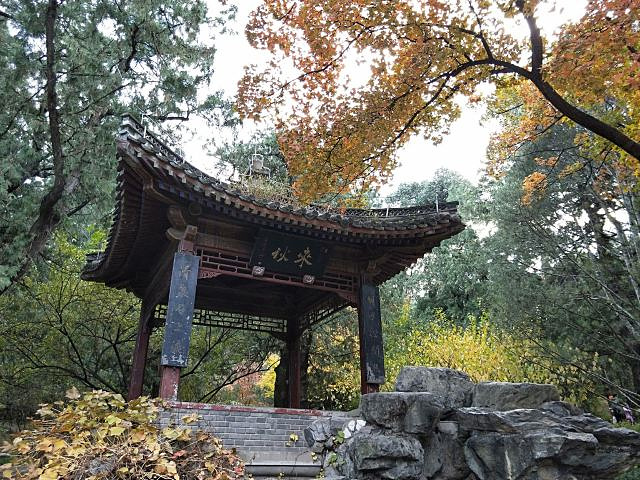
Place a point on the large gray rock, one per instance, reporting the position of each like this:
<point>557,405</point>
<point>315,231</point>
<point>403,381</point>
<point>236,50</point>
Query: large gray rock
<point>385,409</point>
<point>561,409</point>
<point>385,455</point>
<point>444,457</point>
<point>495,456</point>
<point>509,396</point>
<point>318,432</point>
<point>321,432</point>
<point>400,411</point>
<point>511,421</point>
<point>606,433</point>
<point>529,444</point>
<point>455,387</point>
<point>423,413</point>
<point>432,435</point>
<point>338,464</point>
<point>543,455</point>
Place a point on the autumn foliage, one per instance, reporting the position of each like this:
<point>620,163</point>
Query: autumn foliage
<point>350,82</point>
<point>99,436</point>
<point>487,353</point>
<point>597,65</point>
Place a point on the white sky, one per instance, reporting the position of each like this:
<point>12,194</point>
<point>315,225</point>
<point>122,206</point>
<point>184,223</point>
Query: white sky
<point>463,150</point>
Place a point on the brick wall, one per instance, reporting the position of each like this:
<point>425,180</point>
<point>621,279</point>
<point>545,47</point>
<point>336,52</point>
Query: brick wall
<point>248,429</point>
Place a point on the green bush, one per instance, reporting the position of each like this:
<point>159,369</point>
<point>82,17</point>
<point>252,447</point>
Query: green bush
<point>630,426</point>
<point>633,474</point>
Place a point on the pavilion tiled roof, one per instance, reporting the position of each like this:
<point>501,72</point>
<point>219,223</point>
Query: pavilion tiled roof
<point>143,157</point>
<point>390,219</point>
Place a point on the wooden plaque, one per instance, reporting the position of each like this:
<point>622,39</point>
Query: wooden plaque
<point>294,255</point>
<point>182,295</point>
<point>371,334</point>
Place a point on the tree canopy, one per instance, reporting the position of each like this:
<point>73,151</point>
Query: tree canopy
<point>68,71</point>
<point>417,58</point>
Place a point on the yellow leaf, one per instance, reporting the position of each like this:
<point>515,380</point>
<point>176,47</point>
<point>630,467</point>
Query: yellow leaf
<point>58,444</point>
<point>45,411</point>
<point>21,445</point>
<point>171,468</point>
<point>76,450</point>
<point>44,445</point>
<point>116,431</point>
<point>138,435</point>
<point>72,393</point>
<point>49,474</point>
<point>194,417</point>
<point>170,433</point>
<point>113,420</point>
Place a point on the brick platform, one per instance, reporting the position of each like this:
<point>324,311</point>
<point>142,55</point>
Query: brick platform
<point>259,434</point>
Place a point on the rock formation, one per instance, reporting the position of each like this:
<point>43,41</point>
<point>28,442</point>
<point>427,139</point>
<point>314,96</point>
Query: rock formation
<point>439,425</point>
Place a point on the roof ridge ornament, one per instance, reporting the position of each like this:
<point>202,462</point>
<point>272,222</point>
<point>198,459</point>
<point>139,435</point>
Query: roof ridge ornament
<point>256,164</point>
<point>137,130</point>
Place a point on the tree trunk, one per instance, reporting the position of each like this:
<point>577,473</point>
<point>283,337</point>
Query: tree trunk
<point>48,215</point>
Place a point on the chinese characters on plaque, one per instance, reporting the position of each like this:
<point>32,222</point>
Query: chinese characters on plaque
<point>182,294</point>
<point>302,258</point>
<point>295,255</point>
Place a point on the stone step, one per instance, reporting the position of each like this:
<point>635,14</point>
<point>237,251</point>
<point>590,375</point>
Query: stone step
<point>278,471</point>
<point>279,464</point>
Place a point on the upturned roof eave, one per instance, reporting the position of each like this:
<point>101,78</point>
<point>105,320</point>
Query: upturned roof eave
<point>143,152</point>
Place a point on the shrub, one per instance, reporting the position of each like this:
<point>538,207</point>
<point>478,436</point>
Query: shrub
<point>633,474</point>
<point>268,190</point>
<point>486,353</point>
<point>99,436</point>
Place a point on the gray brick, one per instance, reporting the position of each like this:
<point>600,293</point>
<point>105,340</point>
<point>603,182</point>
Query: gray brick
<point>254,443</point>
<point>246,431</point>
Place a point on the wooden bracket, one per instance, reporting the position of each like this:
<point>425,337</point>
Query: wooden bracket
<point>187,243</point>
<point>176,217</point>
<point>351,297</point>
<point>370,269</point>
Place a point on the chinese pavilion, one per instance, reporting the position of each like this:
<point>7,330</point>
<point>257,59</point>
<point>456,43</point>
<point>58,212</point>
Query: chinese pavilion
<point>199,252</point>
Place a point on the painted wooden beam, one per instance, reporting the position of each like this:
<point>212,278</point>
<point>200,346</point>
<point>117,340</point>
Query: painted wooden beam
<point>140,353</point>
<point>177,332</point>
<point>293,347</point>
<point>370,333</point>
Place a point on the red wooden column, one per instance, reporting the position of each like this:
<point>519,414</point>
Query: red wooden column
<point>293,348</point>
<point>370,334</point>
<point>177,330</point>
<point>140,352</point>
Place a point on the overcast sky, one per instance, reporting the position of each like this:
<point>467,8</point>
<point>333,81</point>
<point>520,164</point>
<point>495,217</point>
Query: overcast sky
<point>463,150</point>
